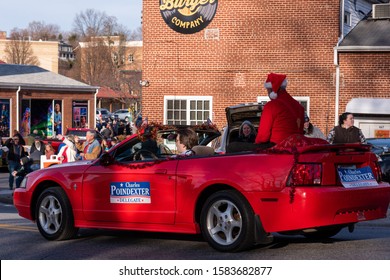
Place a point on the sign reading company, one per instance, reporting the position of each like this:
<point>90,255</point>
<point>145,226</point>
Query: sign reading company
<point>188,16</point>
<point>130,192</point>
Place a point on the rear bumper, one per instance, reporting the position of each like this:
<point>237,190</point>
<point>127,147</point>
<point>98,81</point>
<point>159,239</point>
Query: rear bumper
<point>310,207</point>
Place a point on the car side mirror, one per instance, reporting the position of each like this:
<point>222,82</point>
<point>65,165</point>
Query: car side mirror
<point>106,159</point>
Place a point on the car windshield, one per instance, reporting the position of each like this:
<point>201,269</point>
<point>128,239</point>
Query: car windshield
<point>133,149</point>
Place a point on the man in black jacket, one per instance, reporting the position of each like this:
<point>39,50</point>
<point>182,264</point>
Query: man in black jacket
<point>15,153</point>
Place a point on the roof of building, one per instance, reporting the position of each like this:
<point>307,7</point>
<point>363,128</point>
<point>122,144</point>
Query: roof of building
<point>369,33</point>
<point>14,76</point>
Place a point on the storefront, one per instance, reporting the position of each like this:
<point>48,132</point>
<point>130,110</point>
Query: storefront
<point>34,100</point>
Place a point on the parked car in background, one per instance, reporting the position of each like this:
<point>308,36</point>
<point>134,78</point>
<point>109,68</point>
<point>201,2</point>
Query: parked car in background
<point>106,115</point>
<point>381,147</point>
<point>123,114</point>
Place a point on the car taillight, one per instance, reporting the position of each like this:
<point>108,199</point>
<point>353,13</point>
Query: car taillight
<point>377,171</point>
<point>305,174</point>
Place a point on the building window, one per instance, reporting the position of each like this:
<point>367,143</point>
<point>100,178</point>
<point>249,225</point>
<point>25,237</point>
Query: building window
<point>187,110</point>
<point>347,18</point>
<point>5,118</point>
<point>130,58</point>
<point>303,100</point>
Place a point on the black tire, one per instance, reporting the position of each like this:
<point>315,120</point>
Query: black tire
<point>323,232</point>
<point>54,215</point>
<point>227,222</point>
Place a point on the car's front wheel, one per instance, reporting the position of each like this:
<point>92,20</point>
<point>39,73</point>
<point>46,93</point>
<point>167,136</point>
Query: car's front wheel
<point>54,215</point>
<point>227,221</point>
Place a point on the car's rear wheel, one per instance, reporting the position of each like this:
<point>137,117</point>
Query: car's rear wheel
<point>54,215</point>
<point>227,221</point>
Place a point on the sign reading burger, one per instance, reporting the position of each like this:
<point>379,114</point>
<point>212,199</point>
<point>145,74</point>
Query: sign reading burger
<point>188,16</point>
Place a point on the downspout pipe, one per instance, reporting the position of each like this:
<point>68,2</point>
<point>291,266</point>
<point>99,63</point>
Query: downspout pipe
<point>17,108</point>
<point>336,63</point>
<point>94,107</point>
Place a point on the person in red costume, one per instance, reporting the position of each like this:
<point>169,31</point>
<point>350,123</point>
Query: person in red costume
<point>282,116</point>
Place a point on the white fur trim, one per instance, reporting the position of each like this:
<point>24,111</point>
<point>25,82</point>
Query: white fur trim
<point>284,84</point>
<point>268,85</point>
<point>273,95</point>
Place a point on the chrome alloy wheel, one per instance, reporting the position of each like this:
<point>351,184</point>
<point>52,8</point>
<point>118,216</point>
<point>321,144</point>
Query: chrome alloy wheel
<point>224,222</point>
<point>50,214</point>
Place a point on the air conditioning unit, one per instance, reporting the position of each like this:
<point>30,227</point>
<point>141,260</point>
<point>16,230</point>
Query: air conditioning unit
<point>381,11</point>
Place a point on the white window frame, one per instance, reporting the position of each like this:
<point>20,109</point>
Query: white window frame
<point>300,99</point>
<point>188,100</point>
<point>347,18</point>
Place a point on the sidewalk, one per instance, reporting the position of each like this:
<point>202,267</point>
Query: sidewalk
<point>5,192</point>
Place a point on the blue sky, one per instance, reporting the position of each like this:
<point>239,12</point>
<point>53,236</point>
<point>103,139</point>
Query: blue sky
<point>21,12</point>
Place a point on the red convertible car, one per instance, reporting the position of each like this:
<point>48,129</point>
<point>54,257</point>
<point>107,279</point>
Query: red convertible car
<point>235,201</point>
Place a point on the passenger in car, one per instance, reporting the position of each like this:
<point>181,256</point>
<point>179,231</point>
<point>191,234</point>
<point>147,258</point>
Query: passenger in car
<point>186,139</point>
<point>91,148</point>
<point>283,116</point>
<point>247,132</point>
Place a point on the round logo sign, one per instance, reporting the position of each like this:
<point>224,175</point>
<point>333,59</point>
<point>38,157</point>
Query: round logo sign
<point>188,16</point>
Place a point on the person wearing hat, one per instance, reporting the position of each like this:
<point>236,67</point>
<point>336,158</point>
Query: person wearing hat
<point>282,117</point>
<point>312,131</point>
<point>38,145</point>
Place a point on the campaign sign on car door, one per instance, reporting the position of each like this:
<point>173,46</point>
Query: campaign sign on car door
<point>359,177</point>
<point>130,192</point>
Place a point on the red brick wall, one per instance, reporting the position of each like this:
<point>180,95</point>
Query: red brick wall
<point>364,75</point>
<point>256,37</point>
<point>66,108</point>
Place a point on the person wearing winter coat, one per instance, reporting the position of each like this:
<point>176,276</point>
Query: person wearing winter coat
<point>312,131</point>
<point>282,116</point>
<point>23,170</point>
<point>68,153</point>
<point>247,132</point>
<point>15,153</point>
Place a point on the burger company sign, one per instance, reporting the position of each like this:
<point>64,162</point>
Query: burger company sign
<point>188,16</point>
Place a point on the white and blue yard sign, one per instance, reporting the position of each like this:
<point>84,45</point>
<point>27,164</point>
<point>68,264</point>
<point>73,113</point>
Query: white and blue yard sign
<point>130,192</point>
<point>359,177</point>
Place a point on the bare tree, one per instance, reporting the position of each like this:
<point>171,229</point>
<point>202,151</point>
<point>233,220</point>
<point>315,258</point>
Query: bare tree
<point>38,30</point>
<point>101,56</point>
<point>18,49</point>
<point>92,23</point>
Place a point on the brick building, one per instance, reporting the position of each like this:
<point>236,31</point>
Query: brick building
<point>200,59</point>
<point>28,95</point>
<point>45,51</point>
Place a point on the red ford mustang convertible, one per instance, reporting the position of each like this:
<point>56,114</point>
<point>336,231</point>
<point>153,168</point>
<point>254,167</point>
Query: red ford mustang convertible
<point>234,200</point>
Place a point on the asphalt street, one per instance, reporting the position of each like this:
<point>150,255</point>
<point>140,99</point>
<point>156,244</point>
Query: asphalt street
<point>5,192</point>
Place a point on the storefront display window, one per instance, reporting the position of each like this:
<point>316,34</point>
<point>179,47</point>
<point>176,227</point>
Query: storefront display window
<point>80,114</point>
<point>39,118</point>
<point>5,118</point>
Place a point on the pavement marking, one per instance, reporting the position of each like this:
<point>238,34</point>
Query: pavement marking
<point>19,228</point>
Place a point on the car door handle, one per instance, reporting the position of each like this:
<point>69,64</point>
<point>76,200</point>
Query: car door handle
<point>161,171</point>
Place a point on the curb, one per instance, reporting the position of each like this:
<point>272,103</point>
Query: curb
<point>6,197</point>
